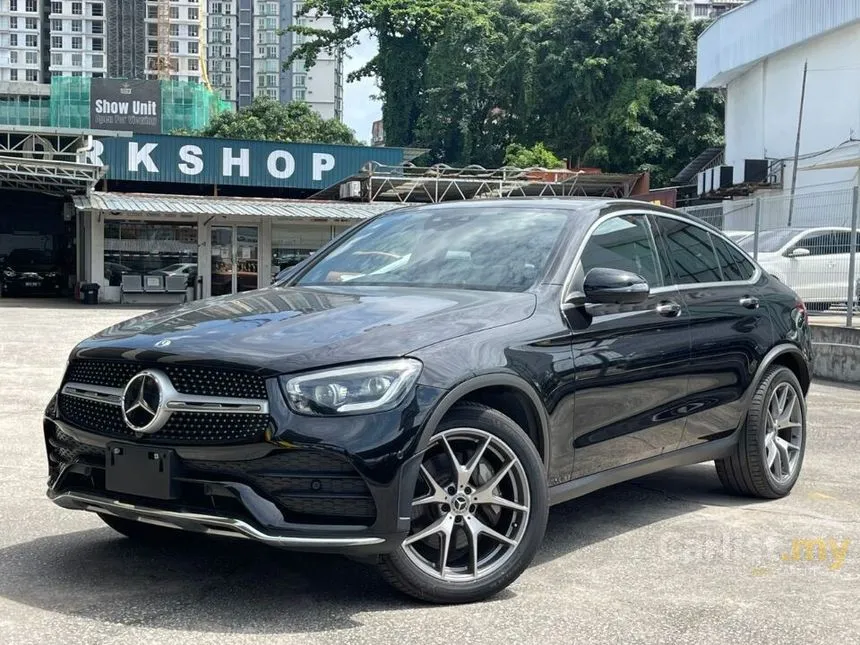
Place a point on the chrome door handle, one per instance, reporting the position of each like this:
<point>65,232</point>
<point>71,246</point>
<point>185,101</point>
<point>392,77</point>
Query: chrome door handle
<point>749,302</point>
<point>668,308</point>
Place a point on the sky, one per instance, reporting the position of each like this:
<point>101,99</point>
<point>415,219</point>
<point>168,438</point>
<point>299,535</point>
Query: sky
<point>359,111</point>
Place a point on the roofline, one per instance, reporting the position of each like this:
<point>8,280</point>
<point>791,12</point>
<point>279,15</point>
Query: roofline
<point>63,132</point>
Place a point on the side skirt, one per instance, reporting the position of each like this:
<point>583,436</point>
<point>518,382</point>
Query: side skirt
<point>686,457</point>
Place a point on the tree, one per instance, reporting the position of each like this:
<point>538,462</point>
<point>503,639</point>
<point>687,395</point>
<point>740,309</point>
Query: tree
<point>267,119</point>
<point>535,157</point>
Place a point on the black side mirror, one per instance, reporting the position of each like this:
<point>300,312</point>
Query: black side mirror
<point>614,287</point>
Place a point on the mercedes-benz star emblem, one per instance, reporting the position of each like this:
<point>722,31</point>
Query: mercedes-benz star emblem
<point>143,402</point>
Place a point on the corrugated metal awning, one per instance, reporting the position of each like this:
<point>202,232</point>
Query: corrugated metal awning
<point>150,204</point>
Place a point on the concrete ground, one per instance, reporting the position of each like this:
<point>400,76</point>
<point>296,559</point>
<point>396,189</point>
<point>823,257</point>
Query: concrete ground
<point>665,559</point>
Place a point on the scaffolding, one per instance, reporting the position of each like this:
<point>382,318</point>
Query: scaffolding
<point>408,183</point>
<point>184,106</point>
<point>126,38</point>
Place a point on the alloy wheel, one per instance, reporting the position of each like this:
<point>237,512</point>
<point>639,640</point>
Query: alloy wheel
<point>783,432</point>
<point>471,507</point>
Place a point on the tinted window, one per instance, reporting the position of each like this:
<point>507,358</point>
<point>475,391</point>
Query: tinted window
<point>623,243</point>
<point>490,248</point>
<point>769,241</point>
<point>733,264</point>
<point>690,252</point>
<point>819,243</point>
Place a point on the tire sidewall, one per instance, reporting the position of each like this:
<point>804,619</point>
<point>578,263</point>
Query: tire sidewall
<point>507,431</point>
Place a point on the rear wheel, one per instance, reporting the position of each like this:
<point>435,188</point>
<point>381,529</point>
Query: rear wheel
<point>769,455</point>
<point>479,512</point>
<point>140,531</point>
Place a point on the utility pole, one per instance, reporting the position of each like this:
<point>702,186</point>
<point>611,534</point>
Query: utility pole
<point>797,144</point>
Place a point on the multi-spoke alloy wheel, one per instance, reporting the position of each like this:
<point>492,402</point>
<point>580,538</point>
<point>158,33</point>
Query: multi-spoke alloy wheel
<point>769,454</point>
<point>784,432</point>
<point>472,516</point>
<point>479,510</point>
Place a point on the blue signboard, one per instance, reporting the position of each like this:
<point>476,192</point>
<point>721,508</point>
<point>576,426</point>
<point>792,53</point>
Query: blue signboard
<point>199,160</point>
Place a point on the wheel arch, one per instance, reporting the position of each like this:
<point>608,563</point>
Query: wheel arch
<point>789,356</point>
<point>506,393</point>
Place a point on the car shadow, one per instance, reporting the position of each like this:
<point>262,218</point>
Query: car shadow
<point>222,585</point>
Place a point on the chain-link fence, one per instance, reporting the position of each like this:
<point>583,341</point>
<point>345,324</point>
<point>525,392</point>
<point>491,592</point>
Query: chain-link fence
<point>810,242</point>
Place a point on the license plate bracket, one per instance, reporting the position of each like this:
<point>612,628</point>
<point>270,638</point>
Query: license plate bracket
<point>144,471</point>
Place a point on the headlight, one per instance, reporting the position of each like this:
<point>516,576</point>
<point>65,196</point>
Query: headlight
<point>9,273</point>
<point>372,387</point>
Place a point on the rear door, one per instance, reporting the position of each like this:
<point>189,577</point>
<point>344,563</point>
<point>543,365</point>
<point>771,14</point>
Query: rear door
<point>630,360</point>
<point>817,277</point>
<point>730,330</point>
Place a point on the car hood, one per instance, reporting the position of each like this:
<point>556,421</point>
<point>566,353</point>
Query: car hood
<point>40,269</point>
<point>281,330</point>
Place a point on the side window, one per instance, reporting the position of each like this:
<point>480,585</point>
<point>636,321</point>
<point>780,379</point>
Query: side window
<point>817,243</point>
<point>733,264</point>
<point>841,242</point>
<point>690,252</point>
<point>625,243</point>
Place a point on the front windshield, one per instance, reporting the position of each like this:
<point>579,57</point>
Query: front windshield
<point>500,249</point>
<point>768,241</point>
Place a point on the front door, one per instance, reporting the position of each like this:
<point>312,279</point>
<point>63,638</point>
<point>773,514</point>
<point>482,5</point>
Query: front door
<point>630,360</point>
<point>235,259</point>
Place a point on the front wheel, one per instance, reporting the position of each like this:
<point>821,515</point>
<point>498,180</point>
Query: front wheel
<point>479,511</point>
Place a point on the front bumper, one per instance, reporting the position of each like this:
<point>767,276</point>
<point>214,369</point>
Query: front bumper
<point>298,489</point>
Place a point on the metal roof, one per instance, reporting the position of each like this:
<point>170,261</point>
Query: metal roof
<point>153,204</point>
<point>47,175</point>
<point>703,161</point>
<point>740,38</point>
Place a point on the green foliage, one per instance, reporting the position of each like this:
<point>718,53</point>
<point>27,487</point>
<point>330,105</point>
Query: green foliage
<point>535,157</point>
<point>608,83</point>
<point>267,119</point>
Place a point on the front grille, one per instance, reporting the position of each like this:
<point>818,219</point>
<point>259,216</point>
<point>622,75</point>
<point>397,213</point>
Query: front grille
<point>201,381</point>
<point>188,428</point>
<point>312,486</point>
<point>185,428</point>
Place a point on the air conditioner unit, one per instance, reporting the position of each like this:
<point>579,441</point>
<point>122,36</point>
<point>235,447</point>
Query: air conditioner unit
<point>350,190</point>
<point>723,177</point>
<point>754,171</point>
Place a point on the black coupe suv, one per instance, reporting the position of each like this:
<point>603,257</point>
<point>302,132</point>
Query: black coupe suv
<point>423,415</point>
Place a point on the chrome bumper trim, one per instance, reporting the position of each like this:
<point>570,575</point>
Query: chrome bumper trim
<point>212,524</point>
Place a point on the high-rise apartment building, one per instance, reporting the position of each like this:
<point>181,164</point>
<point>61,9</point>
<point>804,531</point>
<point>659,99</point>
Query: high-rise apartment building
<point>705,9</point>
<point>238,45</point>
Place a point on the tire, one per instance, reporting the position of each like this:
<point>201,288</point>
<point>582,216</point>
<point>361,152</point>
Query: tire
<point>747,472</point>
<point>464,510</point>
<point>140,531</point>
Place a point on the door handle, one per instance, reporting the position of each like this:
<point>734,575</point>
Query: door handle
<point>668,308</point>
<point>749,302</point>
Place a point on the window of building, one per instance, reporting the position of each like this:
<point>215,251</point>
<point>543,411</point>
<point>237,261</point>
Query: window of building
<point>77,60</point>
<point>625,243</point>
<point>152,46</point>
<point>98,74</point>
<point>272,52</point>
<point>228,65</point>
<point>77,26</point>
<point>193,31</point>
<point>216,7</point>
<point>13,5</point>
<point>152,12</point>
<point>174,30</point>
<point>32,23</point>
<point>193,65</point>
<point>298,94</point>
<point>272,93</point>
<point>174,13</point>
<point>193,13</point>
<point>56,25</point>
<point>98,60</point>
<point>151,29</point>
<point>299,80</point>
<point>32,75</point>
<point>31,40</point>
<point>56,42</point>
<point>56,7</point>
<point>13,57</point>
<point>13,74</point>
<point>272,80</point>
<point>98,44</point>
<point>56,59</point>
<point>13,23</point>
<point>13,40</point>
<point>174,47</point>
<point>31,6</point>
<point>702,11</point>
<point>228,94</point>
<point>193,47</point>
<point>97,10</point>
<point>77,9</point>
<point>143,247</point>
<point>31,58</point>
<point>77,42</point>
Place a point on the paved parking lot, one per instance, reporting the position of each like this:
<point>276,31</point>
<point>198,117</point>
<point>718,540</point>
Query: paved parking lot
<point>665,559</point>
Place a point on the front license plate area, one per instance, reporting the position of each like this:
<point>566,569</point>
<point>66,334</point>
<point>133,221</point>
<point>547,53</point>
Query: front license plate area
<point>141,470</point>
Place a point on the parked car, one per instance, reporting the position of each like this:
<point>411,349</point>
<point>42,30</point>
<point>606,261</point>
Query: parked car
<point>424,418</point>
<point>186,269</point>
<point>737,236</point>
<point>31,271</point>
<point>812,261</point>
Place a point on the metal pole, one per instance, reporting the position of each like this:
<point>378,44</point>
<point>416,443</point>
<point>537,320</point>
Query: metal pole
<point>757,227</point>
<point>797,143</point>
<point>852,259</point>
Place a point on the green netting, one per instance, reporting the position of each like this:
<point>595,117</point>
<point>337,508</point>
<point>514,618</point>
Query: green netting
<point>185,106</point>
<point>25,110</point>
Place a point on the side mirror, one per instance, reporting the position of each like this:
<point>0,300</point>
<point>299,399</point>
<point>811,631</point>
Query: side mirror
<point>799,252</point>
<point>614,287</point>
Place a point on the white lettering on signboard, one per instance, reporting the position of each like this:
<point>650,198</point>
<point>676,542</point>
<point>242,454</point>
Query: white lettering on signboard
<point>93,154</point>
<point>141,155</point>
<point>243,161</point>
<point>192,162</point>
<point>323,162</point>
<point>289,164</point>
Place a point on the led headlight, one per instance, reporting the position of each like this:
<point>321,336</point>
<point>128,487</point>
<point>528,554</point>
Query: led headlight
<point>371,387</point>
<point>9,273</point>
